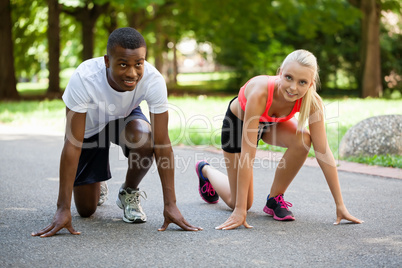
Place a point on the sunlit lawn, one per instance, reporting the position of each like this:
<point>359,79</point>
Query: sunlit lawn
<point>197,120</point>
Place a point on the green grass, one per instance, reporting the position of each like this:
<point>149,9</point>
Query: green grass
<point>36,114</point>
<point>202,117</point>
<point>197,120</point>
<point>39,89</point>
<point>379,160</point>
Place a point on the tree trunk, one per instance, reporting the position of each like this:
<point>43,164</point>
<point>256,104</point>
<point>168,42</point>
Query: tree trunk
<point>87,17</point>
<point>8,84</point>
<point>175,64</point>
<point>371,62</point>
<point>53,37</point>
<point>158,47</point>
<point>137,19</point>
<point>88,25</point>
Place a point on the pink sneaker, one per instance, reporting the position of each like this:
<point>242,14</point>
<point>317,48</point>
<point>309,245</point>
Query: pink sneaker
<point>278,207</point>
<point>207,192</point>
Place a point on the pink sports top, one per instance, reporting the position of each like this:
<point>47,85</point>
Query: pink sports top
<point>265,117</point>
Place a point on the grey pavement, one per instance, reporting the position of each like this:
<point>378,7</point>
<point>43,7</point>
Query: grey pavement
<point>28,193</point>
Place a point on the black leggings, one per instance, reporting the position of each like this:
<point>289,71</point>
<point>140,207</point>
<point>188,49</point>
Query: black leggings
<point>232,130</point>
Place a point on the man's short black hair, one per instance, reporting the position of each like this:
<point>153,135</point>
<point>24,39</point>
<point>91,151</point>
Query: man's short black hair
<point>127,37</point>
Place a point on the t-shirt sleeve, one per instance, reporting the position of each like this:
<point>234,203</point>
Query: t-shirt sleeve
<point>156,96</point>
<point>75,96</point>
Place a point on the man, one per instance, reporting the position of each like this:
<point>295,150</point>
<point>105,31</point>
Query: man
<point>102,106</point>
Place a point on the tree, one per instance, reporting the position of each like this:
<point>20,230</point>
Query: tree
<point>370,48</point>
<point>53,37</point>
<point>8,88</point>
<point>29,38</point>
<point>254,37</point>
<point>152,16</point>
<point>87,14</point>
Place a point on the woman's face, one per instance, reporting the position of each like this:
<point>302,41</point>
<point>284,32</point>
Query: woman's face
<point>295,80</point>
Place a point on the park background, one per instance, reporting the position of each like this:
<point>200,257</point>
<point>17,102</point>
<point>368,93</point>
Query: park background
<point>206,50</point>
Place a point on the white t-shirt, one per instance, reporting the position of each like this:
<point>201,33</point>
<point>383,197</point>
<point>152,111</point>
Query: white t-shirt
<point>88,91</point>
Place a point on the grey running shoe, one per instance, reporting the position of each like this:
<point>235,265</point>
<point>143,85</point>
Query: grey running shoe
<point>129,201</point>
<point>104,190</point>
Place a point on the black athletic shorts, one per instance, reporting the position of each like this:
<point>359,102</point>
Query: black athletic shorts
<point>93,165</point>
<point>232,130</point>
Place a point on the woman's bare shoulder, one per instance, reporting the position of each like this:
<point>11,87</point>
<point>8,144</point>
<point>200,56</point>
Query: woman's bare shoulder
<point>257,85</point>
<point>260,80</point>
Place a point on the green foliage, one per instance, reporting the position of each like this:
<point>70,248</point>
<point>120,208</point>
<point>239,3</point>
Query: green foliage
<point>193,124</point>
<point>70,42</point>
<point>391,52</point>
<point>379,160</point>
<point>253,37</point>
<point>30,41</point>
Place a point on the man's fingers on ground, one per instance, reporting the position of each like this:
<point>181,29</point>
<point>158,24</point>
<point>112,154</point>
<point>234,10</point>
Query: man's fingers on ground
<point>164,226</point>
<point>73,231</point>
<point>185,225</point>
<point>51,232</point>
<point>43,231</point>
<point>192,226</point>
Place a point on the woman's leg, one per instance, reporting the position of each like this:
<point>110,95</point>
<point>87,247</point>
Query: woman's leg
<point>298,143</point>
<point>226,185</point>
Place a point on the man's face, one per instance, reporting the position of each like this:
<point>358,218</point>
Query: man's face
<point>125,67</point>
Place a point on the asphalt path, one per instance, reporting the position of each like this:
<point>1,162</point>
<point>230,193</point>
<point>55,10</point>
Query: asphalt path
<point>29,188</point>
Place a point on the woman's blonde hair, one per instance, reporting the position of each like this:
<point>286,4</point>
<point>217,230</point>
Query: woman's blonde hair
<point>311,99</point>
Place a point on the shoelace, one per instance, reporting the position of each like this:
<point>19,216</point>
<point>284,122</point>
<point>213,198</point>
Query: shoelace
<point>284,204</point>
<point>207,188</point>
<point>104,190</point>
<point>134,199</point>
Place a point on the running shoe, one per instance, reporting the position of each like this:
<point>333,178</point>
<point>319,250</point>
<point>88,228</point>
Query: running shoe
<point>207,192</point>
<point>104,191</point>
<point>129,201</point>
<point>278,207</point>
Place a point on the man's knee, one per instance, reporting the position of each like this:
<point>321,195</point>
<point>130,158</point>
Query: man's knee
<point>138,137</point>
<point>86,199</point>
<point>86,211</point>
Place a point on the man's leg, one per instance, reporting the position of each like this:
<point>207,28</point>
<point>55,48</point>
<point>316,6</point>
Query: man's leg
<point>86,198</point>
<point>93,167</point>
<point>137,144</point>
<point>139,151</point>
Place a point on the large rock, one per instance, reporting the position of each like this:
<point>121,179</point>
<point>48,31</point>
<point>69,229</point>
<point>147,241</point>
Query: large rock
<point>379,135</point>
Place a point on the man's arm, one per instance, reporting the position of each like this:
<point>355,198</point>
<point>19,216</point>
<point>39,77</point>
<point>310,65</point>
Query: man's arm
<point>75,130</point>
<point>165,162</point>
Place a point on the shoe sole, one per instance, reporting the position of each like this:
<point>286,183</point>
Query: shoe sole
<point>100,203</point>
<point>138,220</point>
<point>103,200</point>
<point>199,184</point>
<point>272,213</point>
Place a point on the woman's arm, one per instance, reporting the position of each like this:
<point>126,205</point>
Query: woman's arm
<point>256,95</point>
<point>327,163</point>
<point>254,108</point>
